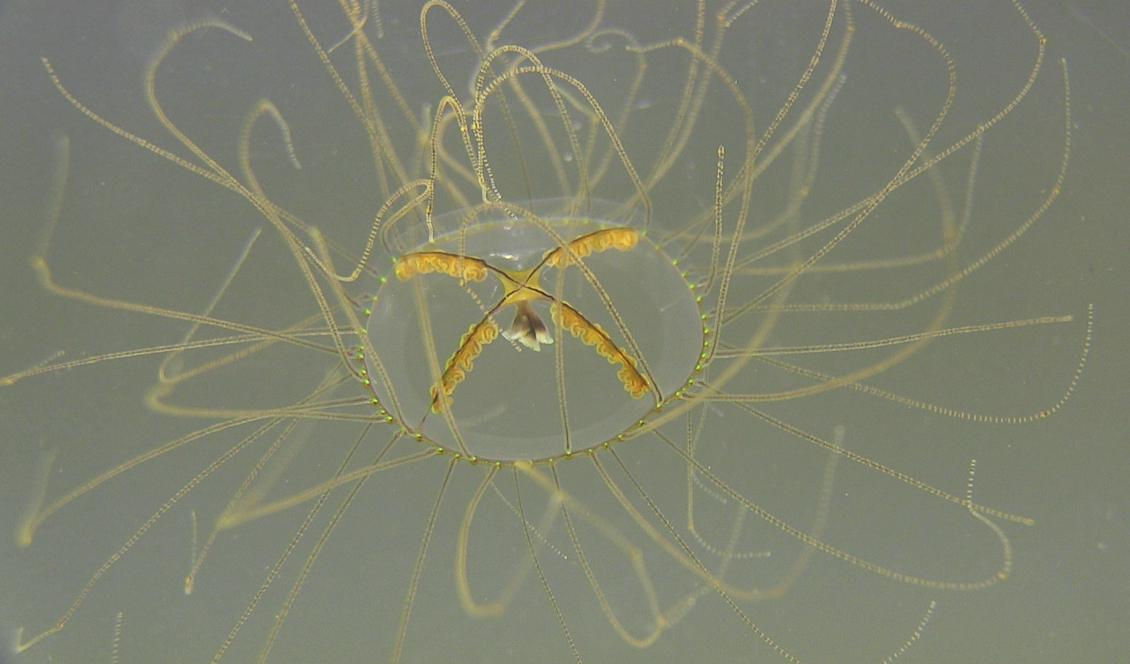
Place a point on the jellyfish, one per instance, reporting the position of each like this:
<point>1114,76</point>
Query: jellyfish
<point>502,334</point>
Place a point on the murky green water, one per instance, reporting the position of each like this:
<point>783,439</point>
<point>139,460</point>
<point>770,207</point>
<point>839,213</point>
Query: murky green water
<point>302,510</point>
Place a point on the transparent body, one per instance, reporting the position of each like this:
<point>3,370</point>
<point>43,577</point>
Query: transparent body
<point>512,407</point>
